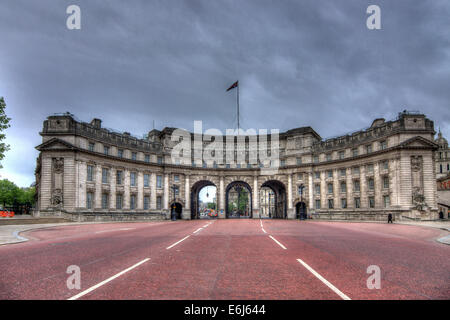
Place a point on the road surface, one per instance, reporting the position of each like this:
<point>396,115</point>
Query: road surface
<point>228,259</point>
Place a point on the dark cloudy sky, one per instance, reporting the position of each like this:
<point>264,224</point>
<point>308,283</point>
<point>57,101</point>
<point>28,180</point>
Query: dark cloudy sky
<point>299,63</point>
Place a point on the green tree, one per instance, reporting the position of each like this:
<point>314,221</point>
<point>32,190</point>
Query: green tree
<point>9,192</point>
<point>4,124</point>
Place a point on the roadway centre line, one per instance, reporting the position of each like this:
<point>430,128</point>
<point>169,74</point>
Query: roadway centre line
<point>336,290</point>
<point>75,297</point>
<point>198,230</point>
<point>263,230</point>
<point>281,245</point>
<point>122,229</point>
<point>173,245</point>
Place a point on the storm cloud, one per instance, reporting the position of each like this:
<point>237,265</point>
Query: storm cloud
<point>299,63</point>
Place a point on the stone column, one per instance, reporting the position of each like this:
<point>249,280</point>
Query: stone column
<point>98,187</point>
<point>153,194</point>
<point>255,198</point>
<point>187,199</point>
<point>363,187</point>
<point>112,190</point>
<point>336,190</point>
<point>323,191</point>
<point>378,186</point>
<point>166,191</point>
<point>290,210</point>
<point>82,186</point>
<point>126,190</point>
<point>140,195</point>
<point>394,182</point>
<point>221,198</point>
<point>349,182</point>
<point>311,192</point>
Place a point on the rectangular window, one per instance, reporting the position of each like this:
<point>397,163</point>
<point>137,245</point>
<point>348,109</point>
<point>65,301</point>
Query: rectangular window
<point>176,178</point>
<point>105,201</point>
<point>105,175</point>
<point>316,159</point>
<point>146,202</point>
<point>343,203</point>
<point>386,201</point>
<point>317,189</point>
<point>158,203</point>
<point>330,188</point>
<point>106,150</point>
<point>317,204</point>
<point>90,173</point>
<point>132,202</point>
<point>133,179</point>
<point>355,170</point>
<point>371,202</point>
<point>317,175</point>
<point>343,187</point>
<point>146,180</point>
<point>385,165</point>
<point>357,203</point>
<point>383,144</point>
<point>371,184</point>
<point>299,176</point>
<point>91,146</point>
<point>328,157</point>
<point>89,199</point>
<point>369,148</point>
<point>299,161</point>
<point>355,152</point>
<point>177,190</point>
<point>386,182</point>
<point>147,158</point>
<point>356,186</point>
<point>159,182</point>
<point>341,154</point>
<point>330,204</point>
<point>119,201</point>
<point>370,168</point>
<point>283,163</point>
<point>330,173</point>
<point>133,156</point>
<point>120,153</point>
<point>119,176</point>
<point>343,172</point>
<point>160,160</point>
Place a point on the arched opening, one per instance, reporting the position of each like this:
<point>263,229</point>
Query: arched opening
<point>177,208</point>
<point>238,200</point>
<point>300,211</point>
<point>203,200</point>
<point>272,200</point>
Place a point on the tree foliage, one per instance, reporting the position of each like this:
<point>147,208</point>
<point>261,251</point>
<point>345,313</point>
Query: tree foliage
<point>4,124</point>
<point>10,194</point>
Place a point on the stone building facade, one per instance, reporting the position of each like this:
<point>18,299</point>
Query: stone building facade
<point>89,172</point>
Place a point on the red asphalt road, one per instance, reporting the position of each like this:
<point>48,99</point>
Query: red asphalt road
<point>228,259</point>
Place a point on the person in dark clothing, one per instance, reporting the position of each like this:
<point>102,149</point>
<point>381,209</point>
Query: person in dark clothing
<point>390,218</point>
<point>441,215</point>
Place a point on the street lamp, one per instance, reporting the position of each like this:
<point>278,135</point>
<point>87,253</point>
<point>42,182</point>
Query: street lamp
<point>300,192</point>
<point>173,215</point>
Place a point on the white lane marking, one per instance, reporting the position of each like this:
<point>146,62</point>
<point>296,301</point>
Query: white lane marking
<point>198,230</point>
<point>75,297</point>
<point>122,229</point>
<point>263,230</point>
<point>336,290</point>
<point>205,225</point>
<point>173,245</point>
<point>278,242</point>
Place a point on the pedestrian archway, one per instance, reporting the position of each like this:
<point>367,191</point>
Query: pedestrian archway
<point>272,200</point>
<point>203,200</point>
<point>238,202</point>
<point>300,211</point>
<point>178,209</point>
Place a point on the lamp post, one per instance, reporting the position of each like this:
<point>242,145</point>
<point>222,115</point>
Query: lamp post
<point>172,214</point>
<point>300,192</point>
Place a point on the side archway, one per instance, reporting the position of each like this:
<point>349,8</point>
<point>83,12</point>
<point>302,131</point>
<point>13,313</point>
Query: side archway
<point>238,200</point>
<point>195,199</point>
<point>273,202</point>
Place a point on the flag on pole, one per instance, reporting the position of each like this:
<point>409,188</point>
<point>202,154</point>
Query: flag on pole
<point>234,85</point>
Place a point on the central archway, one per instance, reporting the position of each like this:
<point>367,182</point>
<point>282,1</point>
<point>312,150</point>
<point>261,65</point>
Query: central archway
<point>197,205</point>
<point>238,203</point>
<point>273,200</point>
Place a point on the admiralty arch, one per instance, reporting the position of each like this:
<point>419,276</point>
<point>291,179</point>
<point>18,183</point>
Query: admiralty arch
<point>87,172</point>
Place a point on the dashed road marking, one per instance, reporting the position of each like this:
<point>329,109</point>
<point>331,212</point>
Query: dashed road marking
<point>173,245</point>
<point>198,230</point>
<point>75,297</point>
<point>263,230</point>
<point>332,287</point>
<point>280,244</point>
<point>121,229</point>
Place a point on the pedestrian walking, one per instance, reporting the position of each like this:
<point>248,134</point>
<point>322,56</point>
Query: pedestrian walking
<point>390,218</point>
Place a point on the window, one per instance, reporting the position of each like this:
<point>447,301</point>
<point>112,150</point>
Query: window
<point>383,145</point>
<point>133,156</point>
<point>299,176</point>
<point>133,179</point>
<point>120,153</point>
<point>132,202</point>
<point>237,166</point>
<point>146,180</point>
<point>370,168</point>
<point>341,154</point>
<point>355,170</point>
<point>317,175</point>
<point>317,204</point>
<point>89,198</point>
<point>385,165</point>
<point>90,173</point>
<point>147,158</point>
<point>343,172</point>
<point>176,178</point>
<point>330,173</point>
<point>283,163</point>
<point>317,186</point>
<point>330,188</point>
<point>119,201</point>
<point>105,201</point>
<point>158,203</point>
<point>356,186</point>
<point>106,150</point>
<point>355,152</point>
<point>386,201</point>
<point>316,159</point>
<point>371,202</point>
<point>91,146</point>
<point>329,157</point>
<point>371,183</point>
<point>146,202</point>
<point>369,148</point>
<point>160,160</point>
<point>119,176</point>
<point>177,190</point>
<point>343,187</point>
<point>357,203</point>
<point>343,203</point>
<point>105,174</point>
<point>440,168</point>
<point>330,204</point>
<point>159,182</point>
<point>386,182</point>
<point>299,161</point>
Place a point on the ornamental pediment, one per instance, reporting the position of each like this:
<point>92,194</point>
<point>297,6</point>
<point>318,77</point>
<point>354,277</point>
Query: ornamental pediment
<point>55,144</point>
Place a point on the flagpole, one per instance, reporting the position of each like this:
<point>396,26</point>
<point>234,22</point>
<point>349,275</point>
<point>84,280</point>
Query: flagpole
<point>238,107</point>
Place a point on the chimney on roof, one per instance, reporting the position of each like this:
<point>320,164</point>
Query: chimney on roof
<point>97,123</point>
